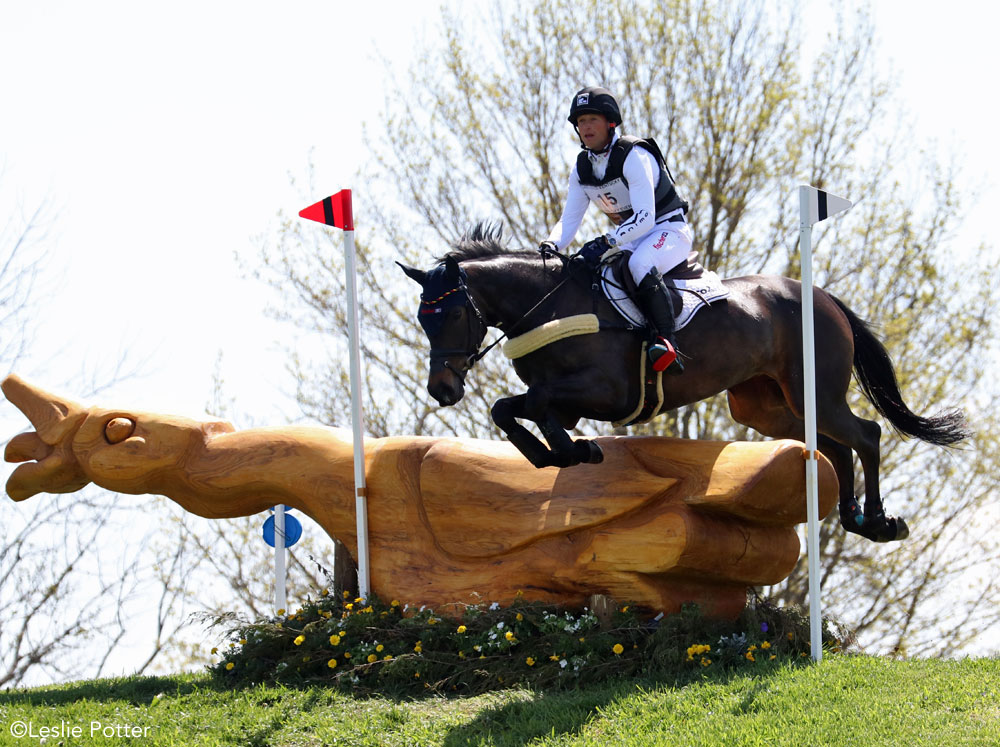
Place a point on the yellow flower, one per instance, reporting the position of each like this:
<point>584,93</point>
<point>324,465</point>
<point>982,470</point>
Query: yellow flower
<point>519,617</point>
<point>752,648</point>
<point>368,609</point>
<point>387,657</point>
<point>243,641</point>
<point>300,640</point>
<point>417,675</point>
<point>625,608</point>
<point>554,657</point>
<point>705,662</point>
<point>348,606</point>
<point>395,603</point>
<point>332,663</point>
<point>433,621</point>
<point>347,595</point>
<point>335,640</point>
<point>750,656</point>
<point>773,657</point>
<point>326,593</point>
<point>229,666</point>
<point>372,658</point>
<point>281,611</point>
<point>462,628</point>
<point>529,661</point>
<point>358,600</point>
<point>379,648</point>
<point>347,654</point>
<point>791,636</point>
<point>618,649</point>
<point>215,650</point>
<point>418,648</point>
<point>278,625</point>
<point>509,635</point>
<point>461,654</point>
<point>582,639</point>
<point>765,644</point>
<point>232,645</point>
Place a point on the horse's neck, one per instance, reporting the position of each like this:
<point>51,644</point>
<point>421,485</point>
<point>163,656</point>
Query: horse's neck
<point>506,292</point>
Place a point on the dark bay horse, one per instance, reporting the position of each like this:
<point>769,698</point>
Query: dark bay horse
<point>749,345</point>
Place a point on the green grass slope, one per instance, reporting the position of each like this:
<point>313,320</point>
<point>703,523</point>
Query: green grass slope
<point>846,700</point>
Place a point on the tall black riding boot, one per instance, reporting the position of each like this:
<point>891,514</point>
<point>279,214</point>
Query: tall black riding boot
<point>658,308</point>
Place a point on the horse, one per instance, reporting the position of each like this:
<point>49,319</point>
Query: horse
<point>748,345</point>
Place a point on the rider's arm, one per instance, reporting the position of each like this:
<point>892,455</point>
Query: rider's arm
<point>641,171</point>
<point>576,205</point>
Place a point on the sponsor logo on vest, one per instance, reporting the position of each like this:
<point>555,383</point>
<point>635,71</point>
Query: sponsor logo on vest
<point>659,244</point>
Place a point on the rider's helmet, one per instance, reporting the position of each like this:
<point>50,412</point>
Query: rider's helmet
<point>594,100</point>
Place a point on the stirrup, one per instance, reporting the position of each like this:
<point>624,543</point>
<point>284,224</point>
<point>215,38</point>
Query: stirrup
<point>664,357</point>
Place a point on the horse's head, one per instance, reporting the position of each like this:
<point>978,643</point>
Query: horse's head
<point>453,325</point>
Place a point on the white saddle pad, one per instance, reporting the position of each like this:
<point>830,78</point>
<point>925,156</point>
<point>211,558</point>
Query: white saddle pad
<point>696,295</point>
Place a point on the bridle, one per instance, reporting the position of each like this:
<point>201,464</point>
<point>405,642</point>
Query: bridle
<point>474,337</point>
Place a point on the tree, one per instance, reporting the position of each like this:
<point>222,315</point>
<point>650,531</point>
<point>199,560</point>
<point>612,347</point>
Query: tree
<point>60,602</point>
<point>477,128</point>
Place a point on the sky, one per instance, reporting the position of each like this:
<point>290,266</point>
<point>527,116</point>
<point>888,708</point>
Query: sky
<point>162,137</point>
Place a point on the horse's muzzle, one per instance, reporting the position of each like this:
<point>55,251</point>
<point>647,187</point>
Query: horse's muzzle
<point>445,385</point>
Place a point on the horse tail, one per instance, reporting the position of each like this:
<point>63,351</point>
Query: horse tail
<point>877,377</point>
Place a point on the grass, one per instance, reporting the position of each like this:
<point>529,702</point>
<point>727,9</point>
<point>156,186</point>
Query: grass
<point>846,700</point>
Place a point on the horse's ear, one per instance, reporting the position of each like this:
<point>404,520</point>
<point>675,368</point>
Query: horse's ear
<point>451,267</point>
<point>419,275</point>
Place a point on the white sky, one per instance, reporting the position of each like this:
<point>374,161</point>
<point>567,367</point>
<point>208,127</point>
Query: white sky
<point>163,134</point>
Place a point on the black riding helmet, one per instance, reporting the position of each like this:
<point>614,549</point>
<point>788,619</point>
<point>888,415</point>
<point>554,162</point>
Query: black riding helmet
<point>595,100</point>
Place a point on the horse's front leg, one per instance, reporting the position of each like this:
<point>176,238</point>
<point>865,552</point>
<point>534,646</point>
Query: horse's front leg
<point>534,406</point>
<point>565,451</point>
<point>505,414</point>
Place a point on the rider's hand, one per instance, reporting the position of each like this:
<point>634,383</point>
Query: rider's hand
<point>548,247</point>
<point>594,249</point>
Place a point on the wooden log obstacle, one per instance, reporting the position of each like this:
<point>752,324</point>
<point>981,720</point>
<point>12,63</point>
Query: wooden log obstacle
<point>451,521</point>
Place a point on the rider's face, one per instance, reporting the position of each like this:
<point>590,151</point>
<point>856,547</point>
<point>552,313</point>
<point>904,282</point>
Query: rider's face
<point>594,130</point>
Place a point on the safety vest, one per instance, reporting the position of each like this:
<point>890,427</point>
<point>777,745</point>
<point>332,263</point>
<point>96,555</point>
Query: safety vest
<point>610,194</point>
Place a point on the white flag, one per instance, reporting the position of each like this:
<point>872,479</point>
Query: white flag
<point>821,205</point>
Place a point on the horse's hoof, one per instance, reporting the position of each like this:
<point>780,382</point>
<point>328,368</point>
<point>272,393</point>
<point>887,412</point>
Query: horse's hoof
<point>588,451</point>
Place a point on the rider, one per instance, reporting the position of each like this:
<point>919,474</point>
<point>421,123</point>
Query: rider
<point>626,177</point>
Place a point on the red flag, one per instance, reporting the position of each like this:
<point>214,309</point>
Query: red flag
<point>333,211</point>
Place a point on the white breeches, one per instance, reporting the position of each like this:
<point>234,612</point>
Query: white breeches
<point>665,247</point>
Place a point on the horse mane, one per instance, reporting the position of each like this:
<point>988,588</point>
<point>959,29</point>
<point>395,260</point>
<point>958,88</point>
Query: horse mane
<point>482,241</point>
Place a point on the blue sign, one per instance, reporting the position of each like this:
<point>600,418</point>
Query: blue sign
<point>293,530</point>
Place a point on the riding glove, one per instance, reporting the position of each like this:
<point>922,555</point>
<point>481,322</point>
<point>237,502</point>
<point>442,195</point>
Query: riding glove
<point>594,249</point>
<point>548,247</point>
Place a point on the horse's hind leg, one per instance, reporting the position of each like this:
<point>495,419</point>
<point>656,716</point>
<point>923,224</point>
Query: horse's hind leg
<point>762,404</point>
<point>836,420</point>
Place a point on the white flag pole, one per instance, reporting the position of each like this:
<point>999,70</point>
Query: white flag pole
<point>357,416</point>
<point>809,389</point>
<point>814,205</point>
<point>280,594</point>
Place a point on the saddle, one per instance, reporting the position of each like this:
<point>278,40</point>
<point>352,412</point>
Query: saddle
<point>690,285</point>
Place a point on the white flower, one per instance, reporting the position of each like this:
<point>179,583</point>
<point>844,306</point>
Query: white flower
<point>495,606</point>
<point>500,625</point>
<point>562,663</point>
